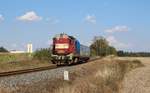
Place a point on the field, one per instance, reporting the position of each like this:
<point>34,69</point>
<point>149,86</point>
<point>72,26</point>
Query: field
<point>9,62</point>
<point>138,80</point>
<point>144,60</point>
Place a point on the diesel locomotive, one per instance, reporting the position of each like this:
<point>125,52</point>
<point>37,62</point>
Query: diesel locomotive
<point>67,50</point>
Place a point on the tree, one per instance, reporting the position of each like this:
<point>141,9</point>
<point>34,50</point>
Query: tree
<point>2,49</point>
<point>111,51</point>
<point>100,47</point>
<point>43,54</point>
<point>120,53</point>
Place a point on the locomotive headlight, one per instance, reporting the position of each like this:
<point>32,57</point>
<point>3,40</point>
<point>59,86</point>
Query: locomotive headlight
<point>61,46</point>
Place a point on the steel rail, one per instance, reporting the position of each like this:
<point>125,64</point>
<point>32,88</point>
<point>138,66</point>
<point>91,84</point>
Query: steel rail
<point>17,72</point>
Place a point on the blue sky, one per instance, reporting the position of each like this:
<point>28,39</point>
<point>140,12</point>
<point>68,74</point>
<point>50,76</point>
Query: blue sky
<point>124,23</point>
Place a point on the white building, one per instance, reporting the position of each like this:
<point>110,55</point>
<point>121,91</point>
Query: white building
<point>17,52</point>
<point>29,48</point>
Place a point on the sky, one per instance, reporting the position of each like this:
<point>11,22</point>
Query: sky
<point>124,23</point>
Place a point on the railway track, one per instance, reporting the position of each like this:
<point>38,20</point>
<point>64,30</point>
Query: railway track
<point>17,72</point>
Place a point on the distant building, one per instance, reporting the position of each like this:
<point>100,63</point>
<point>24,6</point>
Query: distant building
<point>16,52</point>
<point>29,50</point>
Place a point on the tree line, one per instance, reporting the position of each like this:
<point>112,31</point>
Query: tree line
<point>133,54</point>
<point>101,47</point>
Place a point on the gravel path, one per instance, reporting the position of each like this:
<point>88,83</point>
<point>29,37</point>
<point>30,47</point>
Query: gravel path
<point>138,80</point>
<point>11,82</point>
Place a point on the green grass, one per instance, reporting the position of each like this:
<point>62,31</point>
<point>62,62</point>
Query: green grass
<point>9,62</point>
<point>13,57</point>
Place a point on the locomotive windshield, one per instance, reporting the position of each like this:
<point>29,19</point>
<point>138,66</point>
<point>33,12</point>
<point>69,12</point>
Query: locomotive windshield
<point>62,46</point>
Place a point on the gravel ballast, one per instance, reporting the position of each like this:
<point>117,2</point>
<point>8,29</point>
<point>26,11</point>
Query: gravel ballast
<point>12,82</point>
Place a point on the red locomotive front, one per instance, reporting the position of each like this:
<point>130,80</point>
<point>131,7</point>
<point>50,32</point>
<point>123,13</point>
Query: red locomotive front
<point>63,45</point>
<point>66,49</point>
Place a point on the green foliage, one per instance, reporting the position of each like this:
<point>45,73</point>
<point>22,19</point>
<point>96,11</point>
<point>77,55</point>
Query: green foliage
<point>100,47</point>
<point>2,49</point>
<point>8,57</point>
<point>43,54</point>
<point>111,51</point>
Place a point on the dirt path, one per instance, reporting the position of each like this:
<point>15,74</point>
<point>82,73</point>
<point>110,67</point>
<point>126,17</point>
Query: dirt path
<point>138,80</point>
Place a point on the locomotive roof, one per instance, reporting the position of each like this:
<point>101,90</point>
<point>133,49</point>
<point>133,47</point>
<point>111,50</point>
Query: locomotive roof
<point>71,37</point>
<point>64,35</point>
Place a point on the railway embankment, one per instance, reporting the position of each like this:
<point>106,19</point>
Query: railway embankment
<point>99,76</point>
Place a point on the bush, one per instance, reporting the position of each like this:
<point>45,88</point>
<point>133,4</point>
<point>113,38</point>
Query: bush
<point>8,57</point>
<point>43,54</point>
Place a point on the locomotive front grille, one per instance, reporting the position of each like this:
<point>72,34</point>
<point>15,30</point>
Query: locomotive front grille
<point>59,57</point>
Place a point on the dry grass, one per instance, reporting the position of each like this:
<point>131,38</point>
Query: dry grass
<point>138,80</point>
<point>100,78</point>
<point>96,77</point>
